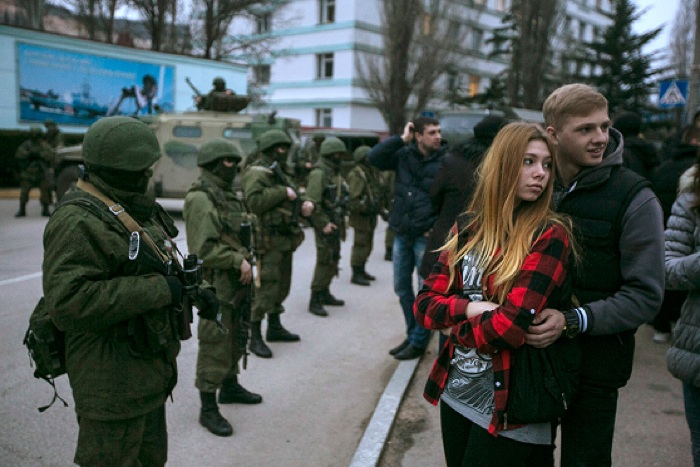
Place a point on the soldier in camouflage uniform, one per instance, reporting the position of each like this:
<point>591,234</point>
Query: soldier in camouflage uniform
<point>35,157</point>
<point>329,192</point>
<point>207,102</point>
<point>114,301</point>
<point>214,215</point>
<point>275,200</point>
<point>366,202</point>
<point>53,135</point>
<point>308,157</point>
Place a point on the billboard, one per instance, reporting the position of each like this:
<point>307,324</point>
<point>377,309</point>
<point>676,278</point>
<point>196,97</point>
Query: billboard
<point>78,88</point>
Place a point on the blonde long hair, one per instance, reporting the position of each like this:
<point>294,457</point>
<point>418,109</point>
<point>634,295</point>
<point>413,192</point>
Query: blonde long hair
<point>502,240</point>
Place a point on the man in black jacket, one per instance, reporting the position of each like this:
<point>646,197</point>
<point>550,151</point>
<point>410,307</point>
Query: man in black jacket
<point>415,156</point>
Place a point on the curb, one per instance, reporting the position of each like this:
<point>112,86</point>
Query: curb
<point>376,434</point>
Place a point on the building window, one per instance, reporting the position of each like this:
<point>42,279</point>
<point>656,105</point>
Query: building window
<point>261,74</point>
<point>501,5</point>
<point>477,39</point>
<point>474,81</point>
<point>324,66</point>
<point>324,117</point>
<point>263,23</point>
<point>327,11</point>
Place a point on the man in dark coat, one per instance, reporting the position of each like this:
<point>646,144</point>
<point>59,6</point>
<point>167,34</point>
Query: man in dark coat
<point>415,156</point>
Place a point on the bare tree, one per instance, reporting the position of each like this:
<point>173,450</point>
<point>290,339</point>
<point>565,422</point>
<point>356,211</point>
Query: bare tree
<point>683,38</point>
<point>34,10</point>
<point>157,14</point>
<point>526,38</point>
<point>416,37</point>
<point>97,17</point>
<point>212,20</point>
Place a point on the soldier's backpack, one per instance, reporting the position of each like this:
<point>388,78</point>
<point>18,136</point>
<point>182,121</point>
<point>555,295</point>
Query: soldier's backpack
<point>46,346</point>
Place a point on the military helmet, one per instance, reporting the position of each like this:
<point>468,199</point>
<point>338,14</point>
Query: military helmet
<point>318,136</point>
<point>272,138</point>
<point>219,81</point>
<point>120,143</point>
<point>360,154</point>
<point>216,149</point>
<point>35,131</point>
<point>332,145</point>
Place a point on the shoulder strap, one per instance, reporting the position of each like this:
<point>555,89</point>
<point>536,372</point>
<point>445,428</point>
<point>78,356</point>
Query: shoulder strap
<point>123,216</point>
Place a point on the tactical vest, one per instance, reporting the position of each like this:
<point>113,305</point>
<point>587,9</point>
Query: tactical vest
<point>278,220</point>
<point>232,214</point>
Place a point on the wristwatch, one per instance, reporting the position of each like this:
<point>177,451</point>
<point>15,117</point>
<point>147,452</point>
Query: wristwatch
<point>572,327</point>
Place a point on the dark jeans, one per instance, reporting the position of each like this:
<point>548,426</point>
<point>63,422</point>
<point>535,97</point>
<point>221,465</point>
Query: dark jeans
<point>407,256</point>
<point>691,398</point>
<point>588,427</point>
<point>468,445</point>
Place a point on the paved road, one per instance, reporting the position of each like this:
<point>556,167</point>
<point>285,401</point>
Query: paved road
<point>319,394</point>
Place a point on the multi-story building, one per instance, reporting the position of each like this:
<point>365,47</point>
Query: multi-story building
<point>312,74</point>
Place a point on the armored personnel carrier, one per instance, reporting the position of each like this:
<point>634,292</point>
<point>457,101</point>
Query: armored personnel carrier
<point>180,136</point>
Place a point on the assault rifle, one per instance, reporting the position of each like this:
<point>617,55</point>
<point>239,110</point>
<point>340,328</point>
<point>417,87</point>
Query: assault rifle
<point>338,197</point>
<point>282,178</point>
<point>243,300</point>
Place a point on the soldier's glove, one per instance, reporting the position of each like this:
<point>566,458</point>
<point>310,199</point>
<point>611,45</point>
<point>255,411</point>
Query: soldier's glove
<point>208,305</point>
<point>175,289</point>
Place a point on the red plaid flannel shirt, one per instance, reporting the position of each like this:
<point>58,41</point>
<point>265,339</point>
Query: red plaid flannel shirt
<point>501,330</point>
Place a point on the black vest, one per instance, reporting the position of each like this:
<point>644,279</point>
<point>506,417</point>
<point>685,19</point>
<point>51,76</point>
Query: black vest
<point>597,210</point>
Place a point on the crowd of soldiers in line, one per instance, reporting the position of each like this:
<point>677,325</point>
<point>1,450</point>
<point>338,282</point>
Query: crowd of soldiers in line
<point>238,271</point>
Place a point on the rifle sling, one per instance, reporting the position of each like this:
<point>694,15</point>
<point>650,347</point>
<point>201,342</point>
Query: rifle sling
<point>121,214</point>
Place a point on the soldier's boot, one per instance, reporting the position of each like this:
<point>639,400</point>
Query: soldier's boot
<point>367,275</point>
<point>330,300</point>
<point>276,332</point>
<point>45,210</point>
<point>22,210</point>
<point>233,393</point>
<point>210,417</point>
<point>316,304</point>
<point>257,345</point>
<point>357,276</point>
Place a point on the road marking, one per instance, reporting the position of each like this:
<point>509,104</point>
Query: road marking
<point>377,432</point>
<point>21,278</point>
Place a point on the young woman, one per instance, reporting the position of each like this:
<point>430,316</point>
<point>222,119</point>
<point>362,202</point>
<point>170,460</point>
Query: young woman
<point>505,262</point>
<point>683,273</point>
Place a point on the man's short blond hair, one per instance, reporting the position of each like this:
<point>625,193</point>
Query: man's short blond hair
<point>571,100</point>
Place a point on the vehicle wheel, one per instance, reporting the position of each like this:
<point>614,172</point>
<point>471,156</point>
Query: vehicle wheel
<point>66,179</point>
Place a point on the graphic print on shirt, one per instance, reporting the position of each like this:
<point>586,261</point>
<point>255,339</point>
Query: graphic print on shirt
<point>470,379</point>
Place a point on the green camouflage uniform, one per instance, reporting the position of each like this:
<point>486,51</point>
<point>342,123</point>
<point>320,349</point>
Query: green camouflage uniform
<point>318,191</point>
<point>211,210</point>
<point>366,200</point>
<point>35,157</point>
<point>309,153</point>
<point>266,197</point>
<point>116,314</point>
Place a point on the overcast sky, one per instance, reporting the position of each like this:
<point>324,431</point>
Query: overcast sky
<point>659,12</point>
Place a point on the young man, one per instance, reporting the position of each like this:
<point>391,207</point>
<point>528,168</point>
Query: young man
<point>619,280</point>
<point>415,156</point>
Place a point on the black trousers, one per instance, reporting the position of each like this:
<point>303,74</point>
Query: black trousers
<point>468,445</point>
